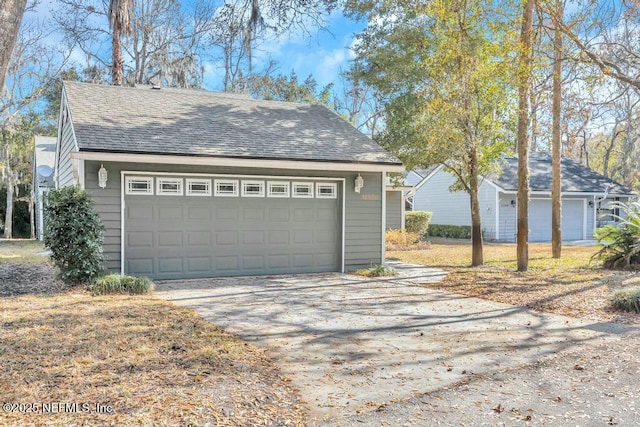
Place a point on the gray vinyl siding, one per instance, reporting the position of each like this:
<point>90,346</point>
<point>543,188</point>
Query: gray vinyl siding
<point>39,194</point>
<point>65,163</point>
<point>413,178</point>
<point>591,212</point>
<point>38,213</point>
<point>394,210</point>
<point>363,225</point>
<point>453,208</point>
<point>363,212</point>
<point>508,220</point>
<point>487,197</point>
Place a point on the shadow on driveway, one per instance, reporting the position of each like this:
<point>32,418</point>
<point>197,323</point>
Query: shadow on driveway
<point>350,343</point>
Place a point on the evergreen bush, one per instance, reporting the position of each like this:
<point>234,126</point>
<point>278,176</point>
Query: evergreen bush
<point>417,222</point>
<point>74,234</point>
<point>450,231</point>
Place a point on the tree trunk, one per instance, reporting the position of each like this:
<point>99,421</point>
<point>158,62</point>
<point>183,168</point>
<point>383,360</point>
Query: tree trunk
<point>609,149</point>
<point>11,12</point>
<point>534,122</point>
<point>476,222</point>
<point>117,66</point>
<point>524,86</point>
<point>585,148</point>
<point>8,219</point>
<point>556,190</point>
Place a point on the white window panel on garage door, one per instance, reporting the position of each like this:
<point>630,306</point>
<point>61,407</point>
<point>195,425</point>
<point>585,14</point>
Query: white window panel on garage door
<point>232,236</point>
<point>198,187</point>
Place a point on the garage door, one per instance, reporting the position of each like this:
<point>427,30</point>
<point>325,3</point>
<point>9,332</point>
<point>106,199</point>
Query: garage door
<point>540,220</point>
<point>178,227</point>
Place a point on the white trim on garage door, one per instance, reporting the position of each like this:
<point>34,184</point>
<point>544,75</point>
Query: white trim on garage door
<point>124,173</point>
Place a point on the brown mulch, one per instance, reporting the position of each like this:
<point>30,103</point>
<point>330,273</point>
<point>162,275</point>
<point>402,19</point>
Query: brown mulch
<point>582,294</point>
<point>20,279</point>
<point>573,285</point>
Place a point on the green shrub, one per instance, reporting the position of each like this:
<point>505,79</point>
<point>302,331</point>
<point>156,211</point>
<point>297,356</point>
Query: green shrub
<point>119,284</point>
<point>110,284</point>
<point>450,231</point>
<point>622,244</point>
<point>626,299</point>
<point>417,222</point>
<point>377,271</point>
<point>74,234</point>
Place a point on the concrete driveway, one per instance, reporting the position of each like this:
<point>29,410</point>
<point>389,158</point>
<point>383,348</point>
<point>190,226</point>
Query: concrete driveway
<point>350,343</point>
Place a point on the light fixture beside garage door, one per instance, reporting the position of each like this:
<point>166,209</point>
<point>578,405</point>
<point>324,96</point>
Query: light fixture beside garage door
<point>359,183</point>
<point>102,177</point>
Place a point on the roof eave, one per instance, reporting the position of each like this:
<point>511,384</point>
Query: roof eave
<point>238,162</point>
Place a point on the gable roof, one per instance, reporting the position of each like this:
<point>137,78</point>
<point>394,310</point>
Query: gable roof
<point>163,121</point>
<point>425,172</point>
<point>575,176</point>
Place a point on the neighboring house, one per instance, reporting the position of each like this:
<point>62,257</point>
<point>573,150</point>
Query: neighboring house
<point>585,199</point>
<point>202,184</point>
<point>398,190</point>
<point>44,155</point>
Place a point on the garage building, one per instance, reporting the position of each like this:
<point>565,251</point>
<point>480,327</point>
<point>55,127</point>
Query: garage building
<point>191,183</point>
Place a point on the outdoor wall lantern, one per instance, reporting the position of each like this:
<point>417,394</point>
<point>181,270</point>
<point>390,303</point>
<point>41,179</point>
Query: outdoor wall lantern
<point>513,203</point>
<point>590,203</point>
<point>359,183</point>
<point>102,177</point>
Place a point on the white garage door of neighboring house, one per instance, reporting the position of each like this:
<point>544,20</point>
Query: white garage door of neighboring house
<point>190,227</point>
<point>540,220</point>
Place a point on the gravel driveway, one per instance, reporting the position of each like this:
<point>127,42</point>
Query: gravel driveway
<point>354,345</point>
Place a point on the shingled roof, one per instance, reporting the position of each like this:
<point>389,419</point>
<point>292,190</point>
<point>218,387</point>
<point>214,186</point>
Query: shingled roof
<point>575,176</point>
<point>145,120</point>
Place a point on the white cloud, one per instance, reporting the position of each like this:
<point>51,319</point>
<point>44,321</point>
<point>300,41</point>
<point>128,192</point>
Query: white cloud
<point>331,65</point>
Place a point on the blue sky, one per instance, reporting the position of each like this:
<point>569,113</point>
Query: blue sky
<point>322,53</point>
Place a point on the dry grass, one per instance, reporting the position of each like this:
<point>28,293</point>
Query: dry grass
<point>153,362</point>
<point>22,251</point>
<point>572,285</point>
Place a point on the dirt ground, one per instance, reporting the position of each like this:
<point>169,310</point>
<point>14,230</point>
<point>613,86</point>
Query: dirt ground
<point>22,279</point>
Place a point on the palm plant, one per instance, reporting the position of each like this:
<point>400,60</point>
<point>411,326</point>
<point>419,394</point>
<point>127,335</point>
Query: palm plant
<point>622,244</point>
